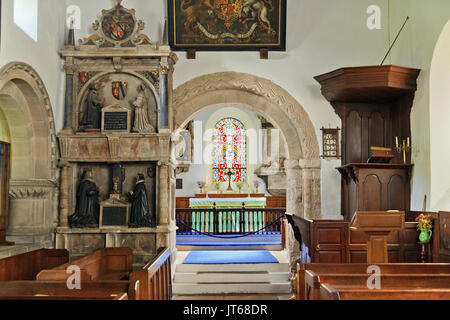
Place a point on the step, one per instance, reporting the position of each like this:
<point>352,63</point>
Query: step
<point>214,277</point>
<point>230,288</point>
<point>257,267</point>
<point>271,247</point>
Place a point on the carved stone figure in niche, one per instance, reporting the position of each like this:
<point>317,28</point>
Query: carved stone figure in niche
<point>141,216</point>
<point>141,123</point>
<point>93,114</point>
<point>87,208</point>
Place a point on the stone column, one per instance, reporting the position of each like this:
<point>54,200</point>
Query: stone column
<point>164,96</point>
<point>64,195</point>
<point>311,188</point>
<point>164,194</point>
<point>68,102</point>
<point>294,203</point>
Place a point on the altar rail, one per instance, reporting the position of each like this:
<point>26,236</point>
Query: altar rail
<point>230,221</point>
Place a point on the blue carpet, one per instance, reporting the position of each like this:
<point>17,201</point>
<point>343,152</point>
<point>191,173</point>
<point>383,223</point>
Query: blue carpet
<point>202,240</point>
<point>229,257</point>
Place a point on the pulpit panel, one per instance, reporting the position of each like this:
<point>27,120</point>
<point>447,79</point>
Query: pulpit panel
<point>396,193</point>
<point>353,134</point>
<point>372,194</point>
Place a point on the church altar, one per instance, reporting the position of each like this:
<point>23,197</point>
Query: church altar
<point>226,203</point>
<point>229,220</point>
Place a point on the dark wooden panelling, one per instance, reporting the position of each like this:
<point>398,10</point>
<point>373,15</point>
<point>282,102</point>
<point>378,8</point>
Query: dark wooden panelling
<point>396,193</point>
<point>353,134</point>
<point>371,194</point>
<point>444,230</point>
<point>377,130</point>
<point>333,241</point>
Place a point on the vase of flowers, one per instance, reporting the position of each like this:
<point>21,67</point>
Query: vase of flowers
<point>239,185</point>
<point>256,184</point>
<point>201,185</point>
<point>424,225</point>
<point>217,185</point>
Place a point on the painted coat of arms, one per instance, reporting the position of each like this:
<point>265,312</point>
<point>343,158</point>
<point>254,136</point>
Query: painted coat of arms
<point>227,24</point>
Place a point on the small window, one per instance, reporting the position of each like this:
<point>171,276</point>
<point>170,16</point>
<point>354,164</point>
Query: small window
<point>26,17</point>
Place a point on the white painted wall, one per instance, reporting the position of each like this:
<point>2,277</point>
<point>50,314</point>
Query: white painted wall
<point>415,48</point>
<point>440,123</point>
<point>322,35</point>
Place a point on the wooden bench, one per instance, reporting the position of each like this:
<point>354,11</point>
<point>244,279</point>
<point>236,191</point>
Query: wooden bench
<point>104,264</point>
<point>155,277</point>
<point>26,266</point>
<point>58,290</point>
<point>361,269</point>
<point>390,281</point>
<point>328,292</point>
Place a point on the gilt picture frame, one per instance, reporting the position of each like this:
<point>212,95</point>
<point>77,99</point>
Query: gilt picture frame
<point>227,25</point>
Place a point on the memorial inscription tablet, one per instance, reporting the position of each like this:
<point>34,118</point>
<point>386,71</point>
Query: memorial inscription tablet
<point>116,119</point>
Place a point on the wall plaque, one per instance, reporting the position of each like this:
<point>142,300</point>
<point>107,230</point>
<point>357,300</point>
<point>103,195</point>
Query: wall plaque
<point>114,213</point>
<point>116,119</point>
<point>330,143</point>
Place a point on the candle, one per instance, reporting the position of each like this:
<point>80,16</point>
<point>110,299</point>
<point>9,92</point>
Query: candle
<point>396,142</point>
<point>407,144</point>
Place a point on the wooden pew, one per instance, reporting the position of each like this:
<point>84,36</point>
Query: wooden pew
<point>328,292</point>
<point>104,264</point>
<point>26,266</point>
<point>361,268</point>
<point>57,290</point>
<point>390,281</point>
<point>155,277</point>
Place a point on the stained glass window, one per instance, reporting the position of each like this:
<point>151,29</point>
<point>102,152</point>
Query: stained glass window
<point>229,151</point>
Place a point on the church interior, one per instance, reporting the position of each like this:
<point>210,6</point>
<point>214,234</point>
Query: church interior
<point>224,150</point>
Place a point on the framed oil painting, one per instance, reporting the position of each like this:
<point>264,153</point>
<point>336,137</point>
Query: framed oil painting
<point>227,25</point>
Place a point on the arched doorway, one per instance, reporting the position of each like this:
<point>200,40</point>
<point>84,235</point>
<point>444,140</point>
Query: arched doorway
<point>439,128</point>
<point>263,97</point>
<point>25,108</point>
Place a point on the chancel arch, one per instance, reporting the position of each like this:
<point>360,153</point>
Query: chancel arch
<point>263,97</point>
<point>26,109</point>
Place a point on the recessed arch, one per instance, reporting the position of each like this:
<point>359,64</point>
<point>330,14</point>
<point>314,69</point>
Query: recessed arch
<point>26,109</point>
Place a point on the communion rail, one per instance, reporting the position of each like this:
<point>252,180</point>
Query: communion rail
<point>238,221</point>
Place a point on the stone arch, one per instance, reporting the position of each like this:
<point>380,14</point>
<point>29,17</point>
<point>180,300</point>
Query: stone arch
<point>26,107</point>
<point>273,102</point>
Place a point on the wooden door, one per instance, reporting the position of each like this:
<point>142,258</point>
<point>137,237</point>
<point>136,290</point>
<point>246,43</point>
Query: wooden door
<point>329,241</point>
<point>444,235</point>
<point>4,189</point>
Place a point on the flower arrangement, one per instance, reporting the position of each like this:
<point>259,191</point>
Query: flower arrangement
<point>424,222</point>
<point>239,185</point>
<point>201,185</point>
<point>217,185</point>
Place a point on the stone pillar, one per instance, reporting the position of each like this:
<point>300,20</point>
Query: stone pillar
<point>164,96</point>
<point>294,204</point>
<point>311,189</point>
<point>68,102</point>
<point>164,194</point>
<point>64,195</point>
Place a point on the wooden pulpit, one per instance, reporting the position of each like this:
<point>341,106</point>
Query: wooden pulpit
<point>377,225</point>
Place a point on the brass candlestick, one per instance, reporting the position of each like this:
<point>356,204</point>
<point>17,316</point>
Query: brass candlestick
<point>405,147</point>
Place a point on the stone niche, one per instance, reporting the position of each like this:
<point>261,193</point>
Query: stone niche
<point>130,73</point>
